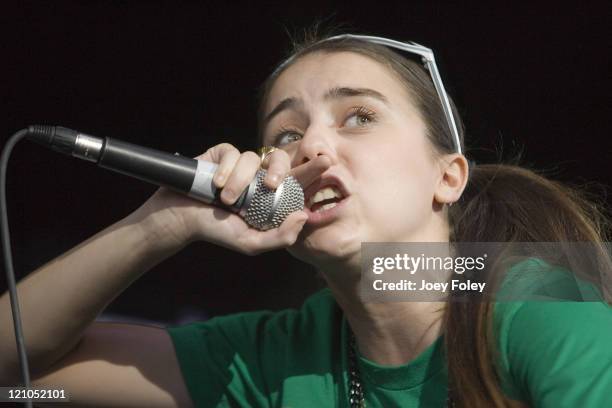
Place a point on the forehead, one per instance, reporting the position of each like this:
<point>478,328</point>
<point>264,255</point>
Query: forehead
<point>312,75</point>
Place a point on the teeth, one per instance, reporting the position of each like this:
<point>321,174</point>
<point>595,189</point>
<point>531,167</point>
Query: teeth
<point>326,207</point>
<point>324,194</point>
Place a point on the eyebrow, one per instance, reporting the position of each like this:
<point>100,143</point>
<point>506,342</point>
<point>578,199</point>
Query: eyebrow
<point>333,93</point>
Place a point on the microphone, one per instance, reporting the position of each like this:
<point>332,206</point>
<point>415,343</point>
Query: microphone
<point>259,206</point>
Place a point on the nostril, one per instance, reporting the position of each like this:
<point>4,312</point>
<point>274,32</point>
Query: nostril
<point>311,157</point>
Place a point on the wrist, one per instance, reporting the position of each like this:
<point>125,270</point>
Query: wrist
<point>159,235</point>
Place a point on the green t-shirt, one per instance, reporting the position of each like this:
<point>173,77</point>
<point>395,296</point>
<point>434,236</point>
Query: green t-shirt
<point>553,354</point>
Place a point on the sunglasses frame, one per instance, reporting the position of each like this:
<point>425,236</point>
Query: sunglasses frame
<point>429,62</point>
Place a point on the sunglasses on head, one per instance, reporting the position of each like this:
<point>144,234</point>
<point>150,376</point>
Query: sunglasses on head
<point>427,57</point>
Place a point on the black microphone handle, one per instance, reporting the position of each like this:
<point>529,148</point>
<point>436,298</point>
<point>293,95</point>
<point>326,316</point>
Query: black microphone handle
<point>179,173</point>
<point>150,165</point>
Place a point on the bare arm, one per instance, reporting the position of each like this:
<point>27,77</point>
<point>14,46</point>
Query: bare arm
<point>59,300</point>
<point>113,364</point>
<point>120,365</point>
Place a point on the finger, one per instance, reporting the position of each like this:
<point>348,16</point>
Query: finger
<point>306,173</point>
<point>285,235</point>
<point>278,165</point>
<point>227,159</point>
<point>240,177</point>
<point>215,153</point>
<point>225,155</point>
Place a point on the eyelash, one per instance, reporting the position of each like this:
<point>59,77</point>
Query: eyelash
<point>359,111</point>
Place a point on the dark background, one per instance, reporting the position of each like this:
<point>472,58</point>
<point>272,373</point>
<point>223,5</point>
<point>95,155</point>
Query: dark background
<point>183,77</point>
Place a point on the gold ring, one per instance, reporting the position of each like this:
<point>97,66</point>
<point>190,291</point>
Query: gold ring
<point>264,151</point>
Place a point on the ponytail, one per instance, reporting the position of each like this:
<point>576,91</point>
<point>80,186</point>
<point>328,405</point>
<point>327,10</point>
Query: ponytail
<point>508,203</point>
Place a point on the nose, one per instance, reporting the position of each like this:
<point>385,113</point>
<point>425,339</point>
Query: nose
<point>316,141</point>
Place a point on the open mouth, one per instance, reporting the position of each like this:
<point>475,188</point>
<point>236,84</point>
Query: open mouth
<point>324,199</point>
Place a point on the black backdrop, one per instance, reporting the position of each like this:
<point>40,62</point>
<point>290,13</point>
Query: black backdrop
<point>183,77</point>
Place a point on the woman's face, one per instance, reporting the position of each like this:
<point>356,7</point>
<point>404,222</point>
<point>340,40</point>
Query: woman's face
<point>355,111</point>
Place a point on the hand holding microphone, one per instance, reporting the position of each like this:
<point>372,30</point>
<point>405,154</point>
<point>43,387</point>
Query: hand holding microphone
<point>110,260</point>
<point>231,184</point>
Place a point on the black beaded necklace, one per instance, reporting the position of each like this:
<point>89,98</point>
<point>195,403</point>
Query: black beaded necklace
<point>356,394</point>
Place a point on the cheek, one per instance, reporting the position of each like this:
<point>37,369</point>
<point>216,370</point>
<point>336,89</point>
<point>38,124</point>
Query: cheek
<point>395,179</point>
<point>389,166</point>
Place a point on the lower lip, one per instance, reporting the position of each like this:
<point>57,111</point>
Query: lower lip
<point>321,217</point>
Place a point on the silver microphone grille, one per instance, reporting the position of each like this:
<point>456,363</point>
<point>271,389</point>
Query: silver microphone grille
<point>269,208</point>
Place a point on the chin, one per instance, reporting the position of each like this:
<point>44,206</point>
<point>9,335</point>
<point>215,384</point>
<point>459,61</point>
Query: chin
<point>326,245</point>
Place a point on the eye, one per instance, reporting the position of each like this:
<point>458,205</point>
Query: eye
<point>286,136</point>
<point>360,117</point>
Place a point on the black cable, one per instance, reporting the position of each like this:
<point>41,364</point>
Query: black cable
<point>8,259</point>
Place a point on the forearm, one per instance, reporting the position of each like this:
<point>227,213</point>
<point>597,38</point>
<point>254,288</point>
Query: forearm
<point>60,299</point>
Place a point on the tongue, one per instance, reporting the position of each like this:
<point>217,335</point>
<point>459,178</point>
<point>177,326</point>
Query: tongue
<point>318,205</point>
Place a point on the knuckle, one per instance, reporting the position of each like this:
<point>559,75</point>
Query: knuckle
<point>220,152</point>
<point>226,146</point>
<point>276,165</point>
<point>279,165</point>
<point>226,151</point>
<point>279,158</point>
<point>250,155</point>
<point>281,154</point>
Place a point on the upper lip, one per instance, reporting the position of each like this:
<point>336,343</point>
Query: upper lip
<point>322,182</point>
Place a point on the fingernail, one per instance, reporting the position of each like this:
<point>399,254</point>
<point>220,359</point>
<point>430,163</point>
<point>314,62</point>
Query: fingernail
<point>228,196</point>
<point>219,178</point>
<point>274,178</point>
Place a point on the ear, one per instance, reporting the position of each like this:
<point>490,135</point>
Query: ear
<point>454,173</point>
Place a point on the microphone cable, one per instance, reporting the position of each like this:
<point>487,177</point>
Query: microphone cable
<point>8,261</point>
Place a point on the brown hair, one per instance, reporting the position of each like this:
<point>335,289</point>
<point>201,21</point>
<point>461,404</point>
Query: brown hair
<point>526,207</point>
